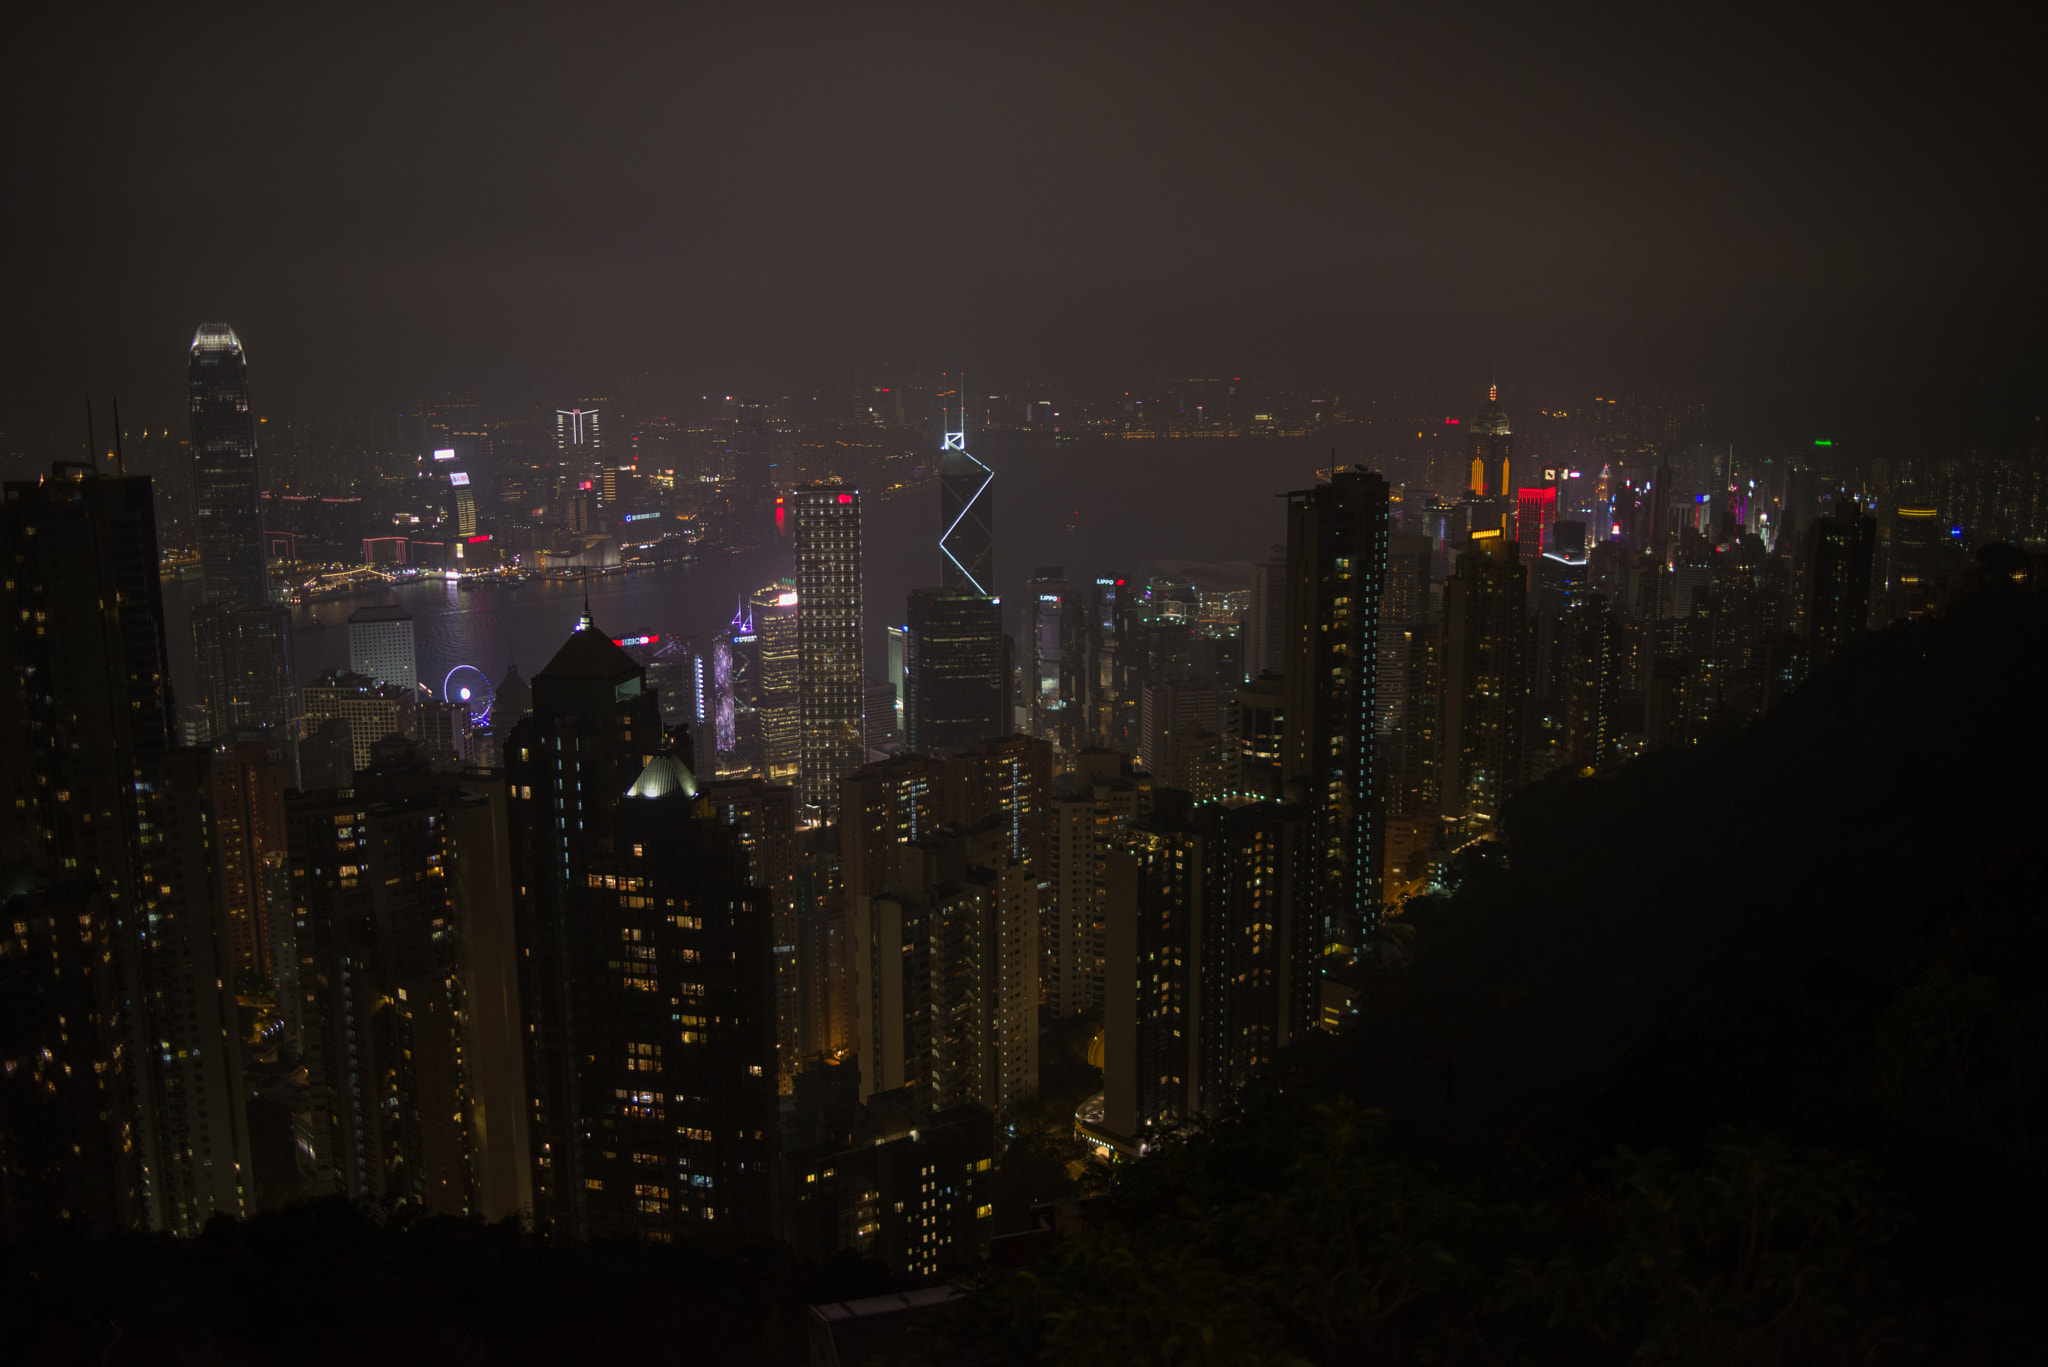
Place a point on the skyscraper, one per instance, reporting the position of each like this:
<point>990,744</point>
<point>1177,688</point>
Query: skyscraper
<point>1336,574</point>
<point>952,668</point>
<point>773,611</point>
<point>966,519</point>
<point>947,975</point>
<point>408,979</point>
<point>1482,680</point>
<point>103,798</point>
<point>1842,549</point>
<point>225,481</point>
<point>576,435</point>
<point>830,673</point>
<point>1492,447</point>
<point>381,646</point>
<point>645,964</point>
<point>245,665</point>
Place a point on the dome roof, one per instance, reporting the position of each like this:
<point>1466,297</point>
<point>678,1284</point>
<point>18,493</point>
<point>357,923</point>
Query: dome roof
<point>663,776</point>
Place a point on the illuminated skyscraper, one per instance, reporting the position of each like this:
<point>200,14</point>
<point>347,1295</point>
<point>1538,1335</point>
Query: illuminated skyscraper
<point>1492,447</point>
<point>966,519</point>
<point>774,612</point>
<point>225,480</point>
<point>576,434</point>
<point>831,679</point>
<point>1336,575</point>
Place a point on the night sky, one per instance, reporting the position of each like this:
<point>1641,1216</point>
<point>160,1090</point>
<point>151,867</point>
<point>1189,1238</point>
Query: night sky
<point>524,202</point>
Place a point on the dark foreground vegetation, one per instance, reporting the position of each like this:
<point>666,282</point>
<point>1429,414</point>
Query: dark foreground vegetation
<point>1740,1056</point>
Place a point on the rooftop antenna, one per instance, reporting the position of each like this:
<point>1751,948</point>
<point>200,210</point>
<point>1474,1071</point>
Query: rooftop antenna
<point>120,465</point>
<point>92,457</point>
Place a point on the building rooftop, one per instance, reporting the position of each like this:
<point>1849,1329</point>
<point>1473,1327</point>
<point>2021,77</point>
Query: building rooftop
<point>589,654</point>
<point>380,612</point>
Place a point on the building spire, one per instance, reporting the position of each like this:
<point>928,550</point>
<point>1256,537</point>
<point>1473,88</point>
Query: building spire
<point>584,623</point>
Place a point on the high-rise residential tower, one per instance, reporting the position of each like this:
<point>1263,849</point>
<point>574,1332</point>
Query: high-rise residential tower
<point>225,482</point>
<point>1336,575</point>
<point>646,967</point>
<point>101,798</point>
<point>1483,679</point>
<point>830,677</point>
<point>966,519</point>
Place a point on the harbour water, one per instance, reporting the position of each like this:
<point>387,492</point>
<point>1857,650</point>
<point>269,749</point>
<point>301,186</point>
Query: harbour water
<point>1197,500</point>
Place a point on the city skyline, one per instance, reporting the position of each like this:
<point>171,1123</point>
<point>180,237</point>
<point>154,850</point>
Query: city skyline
<point>1023,684</point>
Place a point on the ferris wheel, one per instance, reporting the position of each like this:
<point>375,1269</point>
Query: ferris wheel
<point>470,686</point>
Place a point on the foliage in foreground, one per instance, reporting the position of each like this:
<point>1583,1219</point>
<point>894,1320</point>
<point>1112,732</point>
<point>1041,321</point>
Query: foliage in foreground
<point>1739,1055</point>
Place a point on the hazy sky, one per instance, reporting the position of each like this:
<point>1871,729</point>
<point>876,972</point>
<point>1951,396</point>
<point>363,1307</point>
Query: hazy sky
<point>388,202</point>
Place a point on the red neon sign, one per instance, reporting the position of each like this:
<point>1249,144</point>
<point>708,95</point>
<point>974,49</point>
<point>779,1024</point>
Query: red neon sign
<point>846,498</point>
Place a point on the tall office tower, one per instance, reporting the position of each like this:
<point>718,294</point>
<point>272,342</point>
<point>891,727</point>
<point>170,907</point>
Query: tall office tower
<point>952,669</point>
<point>830,671</point>
<point>898,646</point>
<point>380,645</point>
<point>947,960</point>
<point>680,675</point>
<point>1265,622</point>
<point>408,980</point>
<point>1045,598</point>
<point>1841,548</point>
<point>1336,575</point>
<point>1097,798</point>
<point>577,438</point>
<point>1479,738</point>
<point>1492,448</point>
<point>371,710</point>
<point>245,664</point>
<point>967,520</point>
<point>763,816</point>
<point>646,967</point>
<point>104,798</point>
<point>772,667</point>
<point>1535,510</point>
<point>461,503</point>
<point>878,716</point>
<point>225,482</point>
<point>755,477</point>
<point>249,838</point>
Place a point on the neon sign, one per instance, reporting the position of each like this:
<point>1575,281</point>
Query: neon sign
<point>637,640</point>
